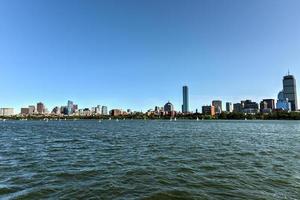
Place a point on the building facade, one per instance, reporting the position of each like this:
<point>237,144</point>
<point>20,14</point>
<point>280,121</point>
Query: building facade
<point>237,107</point>
<point>40,107</point>
<point>267,105</point>
<point>70,107</point>
<point>104,110</point>
<point>6,111</point>
<point>229,107</point>
<point>185,98</point>
<point>168,107</point>
<point>283,102</point>
<point>290,91</point>
<point>24,111</point>
<point>218,106</point>
<point>208,110</point>
<point>250,107</point>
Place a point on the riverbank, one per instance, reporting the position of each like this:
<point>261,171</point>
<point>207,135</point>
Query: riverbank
<point>278,115</point>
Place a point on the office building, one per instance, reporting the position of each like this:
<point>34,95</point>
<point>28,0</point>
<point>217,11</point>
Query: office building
<point>229,107</point>
<point>218,106</point>
<point>168,107</point>
<point>208,110</point>
<point>31,110</point>
<point>283,102</point>
<point>267,105</point>
<point>237,107</point>
<point>98,110</point>
<point>40,107</point>
<point>290,91</point>
<point>116,112</point>
<point>24,111</point>
<point>6,111</point>
<point>69,108</point>
<point>104,110</point>
<point>185,95</point>
<point>250,107</point>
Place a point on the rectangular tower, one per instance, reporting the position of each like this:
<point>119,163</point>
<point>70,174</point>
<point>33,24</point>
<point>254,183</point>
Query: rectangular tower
<point>185,95</point>
<point>290,91</point>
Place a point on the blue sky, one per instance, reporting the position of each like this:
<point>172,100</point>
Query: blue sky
<point>139,53</point>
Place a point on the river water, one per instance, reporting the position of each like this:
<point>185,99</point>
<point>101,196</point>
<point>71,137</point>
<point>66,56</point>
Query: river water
<point>150,160</point>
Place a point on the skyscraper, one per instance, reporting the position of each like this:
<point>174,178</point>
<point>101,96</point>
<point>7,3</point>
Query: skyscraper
<point>218,106</point>
<point>290,91</point>
<point>104,110</point>
<point>70,107</point>
<point>229,107</point>
<point>185,95</point>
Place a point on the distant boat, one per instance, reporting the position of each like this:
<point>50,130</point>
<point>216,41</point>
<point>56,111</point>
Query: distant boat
<point>4,120</point>
<point>175,119</point>
<point>99,120</point>
<point>65,119</point>
<point>123,118</point>
<point>109,118</point>
<point>117,120</point>
<point>246,119</point>
<point>197,119</point>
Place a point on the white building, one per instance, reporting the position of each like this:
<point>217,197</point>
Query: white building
<point>6,111</point>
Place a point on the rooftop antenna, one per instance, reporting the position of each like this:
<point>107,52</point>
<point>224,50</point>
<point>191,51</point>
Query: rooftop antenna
<point>288,72</point>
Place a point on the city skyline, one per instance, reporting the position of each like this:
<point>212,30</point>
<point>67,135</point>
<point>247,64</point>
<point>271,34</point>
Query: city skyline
<point>286,100</point>
<point>140,52</point>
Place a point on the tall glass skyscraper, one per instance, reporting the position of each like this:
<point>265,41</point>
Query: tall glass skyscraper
<point>185,94</point>
<point>290,91</point>
<point>70,107</point>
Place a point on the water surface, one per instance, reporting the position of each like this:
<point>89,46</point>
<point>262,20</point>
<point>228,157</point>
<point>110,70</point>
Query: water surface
<point>150,160</point>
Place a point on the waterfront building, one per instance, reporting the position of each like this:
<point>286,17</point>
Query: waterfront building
<point>290,91</point>
<point>98,110</point>
<point>250,107</point>
<point>237,107</point>
<point>218,106</point>
<point>86,112</point>
<point>55,110</point>
<point>283,102</point>
<point>267,105</point>
<point>31,110</point>
<point>104,110</point>
<point>40,107</point>
<point>75,108</point>
<point>24,111</point>
<point>70,108</point>
<point>6,111</point>
<point>116,112</point>
<point>168,107</point>
<point>209,110</point>
<point>229,107</point>
<point>64,110</point>
<point>185,95</point>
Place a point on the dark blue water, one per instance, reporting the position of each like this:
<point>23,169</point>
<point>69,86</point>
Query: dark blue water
<point>150,160</point>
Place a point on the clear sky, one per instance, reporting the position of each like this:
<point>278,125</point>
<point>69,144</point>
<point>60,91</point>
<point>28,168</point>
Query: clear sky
<point>139,53</point>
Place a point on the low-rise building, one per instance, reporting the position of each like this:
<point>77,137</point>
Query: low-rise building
<point>116,112</point>
<point>24,111</point>
<point>208,110</point>
<point>6,111</point>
